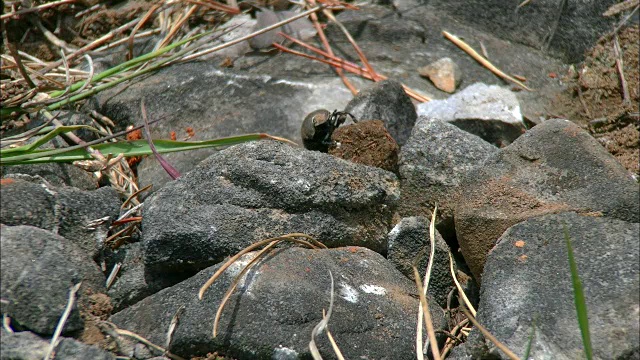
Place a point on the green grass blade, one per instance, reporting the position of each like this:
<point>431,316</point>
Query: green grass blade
<point>578,295</point>
<point>128,148</point>
<point>43,140</point>
<point>527,350</point>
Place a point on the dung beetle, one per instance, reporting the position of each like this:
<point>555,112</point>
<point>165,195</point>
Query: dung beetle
<point>318,127</point>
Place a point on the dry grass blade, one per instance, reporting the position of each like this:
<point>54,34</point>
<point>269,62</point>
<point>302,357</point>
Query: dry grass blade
<point>335,347</point>
<point>112,275</point>
<point>619,66</point>
<point>488,335</point>
<point>148,343</point>
<point>427,277</point>
<point>172,327</point>
<point>35,8</point>
<point>141,23</point>
<point>289,237</point>
<point>313,348</point>
<point>235,283</point>
<point>21,68</point>
<point>427,317</point>
<point>256,33</point>
<point>459,287</point>
<point>615,9</point>
<point>63,320</point>
<point>484,62</point>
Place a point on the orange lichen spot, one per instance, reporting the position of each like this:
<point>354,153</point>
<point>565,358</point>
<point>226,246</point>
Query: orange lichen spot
<point>173,135</point>
<point>307,269</point>
<point>190,132</point>
<point>553,75</point>
<point>134,160</point>
<point>6,181</point>
<point>353,249</point>
<point>134,135</point>
<point>523,258</point>
<point>519,243</point>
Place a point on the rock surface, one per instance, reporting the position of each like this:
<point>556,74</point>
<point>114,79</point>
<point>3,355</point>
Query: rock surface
<point>410,240</point>
<point>554,167</point>
<point>491,112</point>
<point>28,346</point>
<point>445,74</point>
<point>66,211</point>
<point>527,278</point>
<point>433,163</point>
<point>278,303</point>
<point>388,102</point>
<point>216,103</point>
<point>258,190</point>
<point>38,270</point>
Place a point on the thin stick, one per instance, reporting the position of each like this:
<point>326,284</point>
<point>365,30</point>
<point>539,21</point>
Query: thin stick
<point>142,21</point>
<point>21,68</point>
<point>488,335</point>
<point>246,37</point>
<point>113,274</point>
<point>52,37</point>
<point>172,328</point>
<point>484,62</point>
<point>63,320</point>
<point>619,65</point>
<point>148,343</point>
<point>35,8</point>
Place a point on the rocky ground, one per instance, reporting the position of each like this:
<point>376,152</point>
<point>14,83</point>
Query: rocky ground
<point>510,172</point>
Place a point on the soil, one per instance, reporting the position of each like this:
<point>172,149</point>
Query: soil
<point>595,99</point>
<point>367,143</point>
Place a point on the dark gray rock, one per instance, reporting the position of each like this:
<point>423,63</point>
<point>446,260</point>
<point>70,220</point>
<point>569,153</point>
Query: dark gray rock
<point>491,112</point>
<point>259,190</point>
<point>215,103</point>
<point>130,285</point>
<point>527,277</point>
<point>433,163</point>
<point>554,167</point>
<point>388,102</point>
<point>38,270</point>
<point>278,303</point>
<point>66,211</point>
<point>28,346</point>
<point>565,29</point>
<point>56,174</point>
<point>408,240</point>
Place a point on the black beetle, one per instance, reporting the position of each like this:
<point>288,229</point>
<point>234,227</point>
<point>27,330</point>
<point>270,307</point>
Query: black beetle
<point>318,127</point>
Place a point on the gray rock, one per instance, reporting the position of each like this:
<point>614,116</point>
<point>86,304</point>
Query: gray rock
<point>554,167</point>
<point>38,269</point>
<point>66,211</point>
<point>28,346</point>
<point>491,112</point>
<point>216,103</point>
<point>278,303</point>
<point>130,285</point>
<point>433,163</point>
<point>408,240</point>
<point>57,174</point>
<point>527,277</point>
<point>388,102</point>
<point>258,190</point>
<point>565,29</point>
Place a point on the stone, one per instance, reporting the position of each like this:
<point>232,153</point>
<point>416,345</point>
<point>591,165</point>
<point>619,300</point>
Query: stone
<point>527,278</point>
<point>216,103</point>
<point>130,285</point>
<point>66,211</point>
<point>554,167</point>
<point>301,29</point>
<point>489,111</point>
<point>433,163</point>
<point>445,74</point>
<point>258,190</point>
<point>26,345</point>
<point>280,300</point>
<point>409,241</point>
<point>38,270</point>
<point>386,101</point>
<point>56,174</point>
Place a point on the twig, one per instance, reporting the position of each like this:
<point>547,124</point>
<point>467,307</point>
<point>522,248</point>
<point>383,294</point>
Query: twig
<point>21,68</point>
<point>622,22</point>
<point>620,7</point>
<point>35,8</point>
<point>139,25</point>
<point>63,320</point>
<point>172,328</point>
<point>460,291</point>
<point>484,62</point>
<point>313,348</point>
<point>619,65</point>
<point>256,33</point>
<point>524,3</point>
<point>113,274</point>
<point>148,343</point>
<point>51,36</point>
<point>488,335</point>
<point>427,317</point>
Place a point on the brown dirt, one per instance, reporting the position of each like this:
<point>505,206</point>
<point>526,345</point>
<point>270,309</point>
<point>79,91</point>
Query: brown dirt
<point>367,143</point>
<point>594,99</point>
